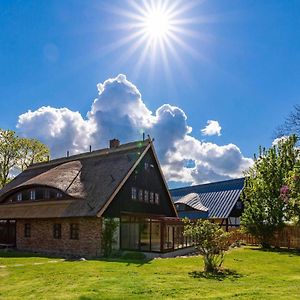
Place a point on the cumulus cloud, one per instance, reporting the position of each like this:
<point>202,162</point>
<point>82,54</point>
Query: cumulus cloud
<point>212,128</point>
<point>119,111</point>
<point>59,128</point>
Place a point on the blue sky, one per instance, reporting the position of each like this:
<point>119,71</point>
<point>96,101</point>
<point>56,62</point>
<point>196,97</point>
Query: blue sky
<point>246,74</point>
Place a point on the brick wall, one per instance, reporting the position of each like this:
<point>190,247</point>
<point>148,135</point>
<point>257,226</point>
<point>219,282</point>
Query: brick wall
<point>42,240</point>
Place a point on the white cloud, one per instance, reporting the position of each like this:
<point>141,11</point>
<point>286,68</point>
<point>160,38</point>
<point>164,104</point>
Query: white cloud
<point>279,140</point>
<point>119,111</point>
<point>212,128</point>
<point>60,128</point>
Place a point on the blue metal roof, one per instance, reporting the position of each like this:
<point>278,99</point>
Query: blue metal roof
<point>193,200</point>
<point>218,197</point>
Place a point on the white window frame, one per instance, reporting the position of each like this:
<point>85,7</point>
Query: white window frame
<point>141,195</point>
<point>32,195</point>
<point>151,197</point>
<point>146,196</point>
<point>146,166</point>
<point>47,194</point>
<point>156,198</point>
<point>133,193</point>
<point>59,195</point>
<point>19,197</point>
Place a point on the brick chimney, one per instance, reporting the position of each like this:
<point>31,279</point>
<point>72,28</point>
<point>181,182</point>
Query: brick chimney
<point>114,143</point>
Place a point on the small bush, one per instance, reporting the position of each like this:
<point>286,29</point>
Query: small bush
<point>212,242</point>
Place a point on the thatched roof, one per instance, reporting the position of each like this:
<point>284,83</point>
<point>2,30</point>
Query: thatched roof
<point>89,180</point>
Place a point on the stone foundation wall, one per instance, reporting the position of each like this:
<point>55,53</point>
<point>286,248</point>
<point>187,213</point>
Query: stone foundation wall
<point>41,238</point>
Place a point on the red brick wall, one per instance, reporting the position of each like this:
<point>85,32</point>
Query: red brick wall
<point>41,240</point>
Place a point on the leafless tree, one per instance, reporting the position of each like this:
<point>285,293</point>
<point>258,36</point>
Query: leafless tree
<point>291,124</point>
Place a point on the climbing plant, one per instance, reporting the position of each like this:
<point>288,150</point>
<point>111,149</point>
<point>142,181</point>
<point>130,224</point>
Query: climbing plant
<point>108,233</point>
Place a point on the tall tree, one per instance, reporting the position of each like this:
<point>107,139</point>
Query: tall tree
<point>290,193</point>
<point>265,208</point>
<point>291,124</point>
<point>31,151</point>
<point>18,153</point>
<point>9,154</point>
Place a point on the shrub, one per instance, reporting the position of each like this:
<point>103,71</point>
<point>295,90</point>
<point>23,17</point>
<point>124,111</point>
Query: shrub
<point>212,242</point>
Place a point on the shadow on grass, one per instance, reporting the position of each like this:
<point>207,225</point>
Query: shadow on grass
<point>129,259</point>
<point>283,251</point>
<point>219,275</point>
<point>21,254</point>
<point>139,262</point>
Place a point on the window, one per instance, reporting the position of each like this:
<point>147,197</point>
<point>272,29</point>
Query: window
<point>32,195</point>
<point>133,193</point>
<point>141,195</point>
<point>146,166</point>
<point>46,194</point>
<point>156,198</point>
<point>74,231</point>
<point>238,205</point>
<point>27,230</point>
<point>151,197</point>
<point>19,197</point>
<point>57,231</point>
<point>58,195</point>
<point>146,196</point>
<point>180,206</point>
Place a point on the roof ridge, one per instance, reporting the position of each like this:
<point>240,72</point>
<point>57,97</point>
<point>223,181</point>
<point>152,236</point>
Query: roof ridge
<point>206,184</point>
<point>95,153</point>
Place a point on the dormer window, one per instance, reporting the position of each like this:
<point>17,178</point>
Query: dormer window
<point>47,194</point>
<point>32,195</point>
<point>59,195</point>
<point>19,197</point>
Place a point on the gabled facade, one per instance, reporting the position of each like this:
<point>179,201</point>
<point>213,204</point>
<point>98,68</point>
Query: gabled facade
<point>217,201</point>
<point>59,206</point>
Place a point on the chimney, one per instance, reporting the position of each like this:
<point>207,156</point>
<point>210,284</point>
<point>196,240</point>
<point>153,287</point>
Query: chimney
<point>114,143</point>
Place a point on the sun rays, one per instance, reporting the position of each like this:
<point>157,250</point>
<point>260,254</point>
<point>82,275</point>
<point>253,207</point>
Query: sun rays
<point>156,33</point>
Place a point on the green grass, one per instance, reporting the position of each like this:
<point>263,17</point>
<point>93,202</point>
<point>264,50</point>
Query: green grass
<point>254,274</point>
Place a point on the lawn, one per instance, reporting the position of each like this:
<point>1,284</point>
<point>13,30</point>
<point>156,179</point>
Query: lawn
<point>254,274</point>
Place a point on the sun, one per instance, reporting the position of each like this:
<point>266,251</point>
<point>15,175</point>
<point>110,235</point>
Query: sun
<point>156,34</point>
<point>157,24</point>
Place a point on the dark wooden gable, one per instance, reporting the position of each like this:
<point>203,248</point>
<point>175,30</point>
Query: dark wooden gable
<point>145,177</point>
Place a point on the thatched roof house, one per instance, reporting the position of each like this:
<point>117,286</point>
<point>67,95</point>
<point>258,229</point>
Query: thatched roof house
<point>59,206</point>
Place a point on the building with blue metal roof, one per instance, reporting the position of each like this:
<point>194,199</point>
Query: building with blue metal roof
<point>219,201</point>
